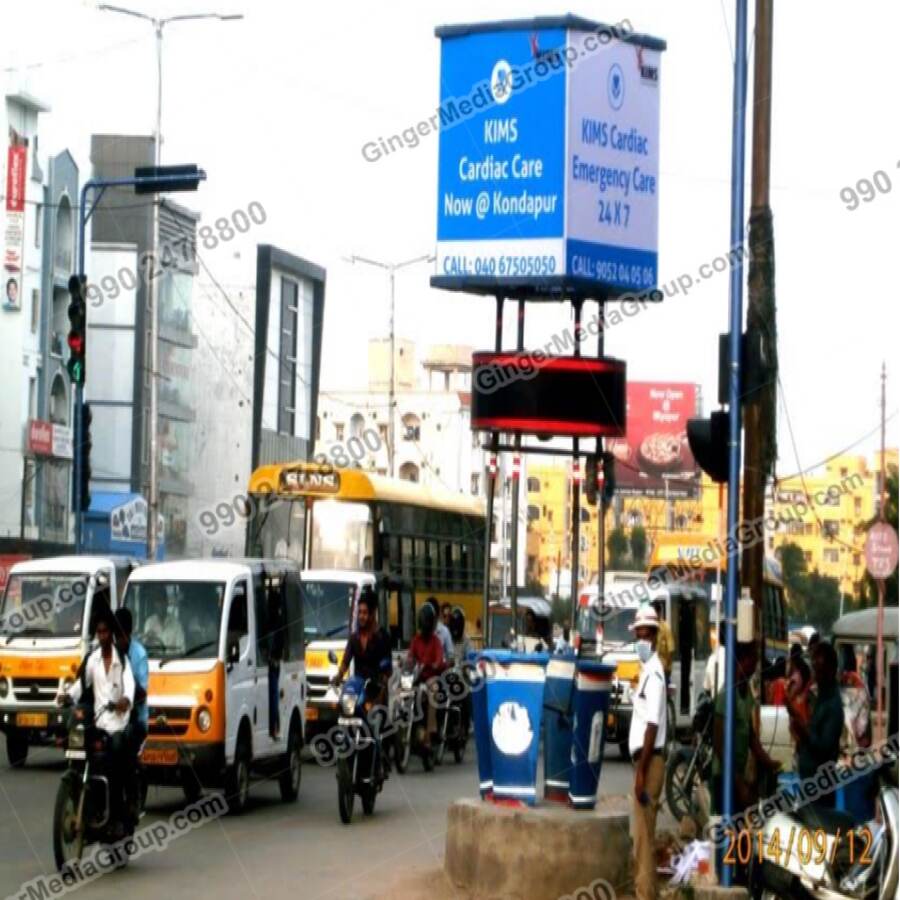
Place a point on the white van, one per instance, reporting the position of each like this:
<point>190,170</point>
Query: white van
<point>45,627</point>
<point>209,627</point>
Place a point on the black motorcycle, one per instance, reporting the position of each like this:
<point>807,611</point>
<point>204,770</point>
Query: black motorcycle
<point>359,765</point>
<point>82,812</point>
<point>409,720</point>
<point>689,767</point>
<point>453,715</point>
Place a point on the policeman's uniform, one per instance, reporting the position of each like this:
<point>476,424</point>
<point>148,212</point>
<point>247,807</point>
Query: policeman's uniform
<point>649,708</point>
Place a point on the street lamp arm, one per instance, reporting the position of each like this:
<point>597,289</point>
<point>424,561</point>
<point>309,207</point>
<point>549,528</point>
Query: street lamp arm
<point>108,7</point>
<point>425,257</point>
<point>369,262</point>
<point>219,16</point>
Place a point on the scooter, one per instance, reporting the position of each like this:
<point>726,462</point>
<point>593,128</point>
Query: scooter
<point>359,768</point>
<point>453,716</point>
<point>82,812</point>
<point>826,854</point>
<point>409,720</point>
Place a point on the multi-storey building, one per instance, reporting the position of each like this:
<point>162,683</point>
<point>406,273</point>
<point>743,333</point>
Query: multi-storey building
<point>39,205</point>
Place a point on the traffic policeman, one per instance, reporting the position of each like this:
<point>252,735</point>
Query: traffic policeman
<point>646,743</point>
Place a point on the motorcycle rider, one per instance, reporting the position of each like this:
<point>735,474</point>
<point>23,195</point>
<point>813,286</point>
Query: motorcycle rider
<point>441,630</point>
<point>108,673</point>
<point>369,649</point>
<point>136,732</point>
<point>427,651</point>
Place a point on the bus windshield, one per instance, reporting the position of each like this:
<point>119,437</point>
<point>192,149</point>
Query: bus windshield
<point>616,625</point>
<point>326,609</point>
<point>277,530</point>
<point>341,536</point>
<point>41,605</point>
<point>175,619</point>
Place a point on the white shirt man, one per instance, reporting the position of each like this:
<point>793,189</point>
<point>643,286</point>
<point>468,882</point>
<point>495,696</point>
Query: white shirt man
<point>109,687</point>
<point>714,678</point>
<point>649,706</point>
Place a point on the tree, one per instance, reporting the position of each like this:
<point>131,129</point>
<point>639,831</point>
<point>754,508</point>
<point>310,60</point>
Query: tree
<point>814,599</point>
<point>617,545</point>
<point>793,569</point>
<point>638,547</point>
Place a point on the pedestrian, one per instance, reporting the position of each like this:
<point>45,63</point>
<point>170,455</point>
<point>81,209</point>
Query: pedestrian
<point>714,676</point>
<point>646,744</point>
<point>746,739</point>
<point>665,642</point>
<point>819,740</point>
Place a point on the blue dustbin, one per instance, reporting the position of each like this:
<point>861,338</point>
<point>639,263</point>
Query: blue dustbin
<point>481,727</point>
<point>592,685</point>
<point>558,726</point>
<point>515,701</point>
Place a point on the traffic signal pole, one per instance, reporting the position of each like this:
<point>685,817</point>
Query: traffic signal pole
<point>157,179</point>
<point>734,413</point>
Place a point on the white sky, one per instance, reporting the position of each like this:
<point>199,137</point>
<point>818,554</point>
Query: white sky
<point>277,107</point>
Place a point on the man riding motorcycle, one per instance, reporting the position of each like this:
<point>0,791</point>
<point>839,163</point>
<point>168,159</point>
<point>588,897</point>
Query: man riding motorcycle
<point>108,674</point>
<point>133,649</point>
<point>426,651</point>
<point>369,649</point>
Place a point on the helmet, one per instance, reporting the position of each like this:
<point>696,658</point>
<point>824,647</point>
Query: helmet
<point>457,623</point>
<point>426,619</point>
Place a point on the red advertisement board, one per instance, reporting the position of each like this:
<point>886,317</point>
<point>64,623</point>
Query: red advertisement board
<point>654,458</point>
<point>16,158</point>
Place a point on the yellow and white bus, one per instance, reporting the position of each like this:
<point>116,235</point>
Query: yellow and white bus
<point>419,542</point>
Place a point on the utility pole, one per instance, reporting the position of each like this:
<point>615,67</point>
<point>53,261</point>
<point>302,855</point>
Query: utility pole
<point>760,409</point>
<point>158,26</point>
<point>391,268</point>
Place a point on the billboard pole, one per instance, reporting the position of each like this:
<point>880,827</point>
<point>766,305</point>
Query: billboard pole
<point>601,467</point>
<point>576,486</point>
<point>516,473</point>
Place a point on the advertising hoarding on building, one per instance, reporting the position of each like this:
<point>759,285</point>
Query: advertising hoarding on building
<point>14,226</point>
<point>549,154</point>
<point>654,459</point>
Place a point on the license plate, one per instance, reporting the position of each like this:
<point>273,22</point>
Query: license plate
<point>317,659</point>
<point>311,713</point>
<point>31,720</point>
<point>166,756</point>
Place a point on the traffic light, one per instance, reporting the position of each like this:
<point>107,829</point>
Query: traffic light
<point>84,485</point>
<point>708,440</point>
<point>609,477</point>
<point>590,480</point>
<point>77,339</point>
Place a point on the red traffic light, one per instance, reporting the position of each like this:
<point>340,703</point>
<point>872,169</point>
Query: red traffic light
<point>76,343</point>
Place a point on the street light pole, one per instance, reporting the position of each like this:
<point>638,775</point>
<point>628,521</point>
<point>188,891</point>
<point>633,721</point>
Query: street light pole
<point>391,268</point>
<point>158,25</point>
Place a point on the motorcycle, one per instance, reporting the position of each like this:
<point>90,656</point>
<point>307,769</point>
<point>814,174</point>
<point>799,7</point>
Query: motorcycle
<point>688,767</point>
<point>409,720</point>
<point>82,811</point>
<point>453,716</point>
<point>839,860</point>
<point>359,769</point>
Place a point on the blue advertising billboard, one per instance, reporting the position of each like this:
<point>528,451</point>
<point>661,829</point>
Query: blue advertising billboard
<point>549,154</point>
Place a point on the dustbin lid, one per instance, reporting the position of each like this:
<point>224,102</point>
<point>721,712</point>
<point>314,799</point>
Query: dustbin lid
<point>511,657</point>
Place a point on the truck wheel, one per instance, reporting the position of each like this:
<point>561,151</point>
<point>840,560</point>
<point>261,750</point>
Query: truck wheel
<point>289,777</point>
<point>16,748</point>
<point>237,780</point>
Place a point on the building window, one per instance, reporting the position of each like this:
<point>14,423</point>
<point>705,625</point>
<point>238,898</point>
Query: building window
<point>476,487</point>
<point>287,358</point>
<point>338,431</point>
<point>857,561</point>
<point>830,555</point>
<point>32,398</point>
<point>807,555</point>
<point>412,427</point>
<point>357,425</point>
<point>534,485</point>
<point>585,514</point>
<point>534,513</point>
<point>59,402</point>
<point>409,472</point>
<point>38,224</point>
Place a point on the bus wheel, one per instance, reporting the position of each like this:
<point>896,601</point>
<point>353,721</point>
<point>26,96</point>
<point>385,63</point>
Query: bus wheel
<point>289,778</point>
<point>16,748</point>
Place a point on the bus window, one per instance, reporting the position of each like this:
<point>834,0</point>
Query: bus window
<point>459,577</point>
<point>406,558</point>
<point>702,647</point>
<point>435,573</point>
<point>342,535</point>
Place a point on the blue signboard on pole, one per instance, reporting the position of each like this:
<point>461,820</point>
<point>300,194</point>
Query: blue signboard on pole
<point>549,154</point>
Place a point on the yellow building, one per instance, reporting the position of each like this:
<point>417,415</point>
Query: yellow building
<point>820,512</point>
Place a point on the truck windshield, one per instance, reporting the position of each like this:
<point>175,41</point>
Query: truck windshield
<point>326,609</point>
<point>42,605</point>
<point>175,619</point>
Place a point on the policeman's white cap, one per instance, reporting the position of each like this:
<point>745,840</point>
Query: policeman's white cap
<point>646,618</point>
